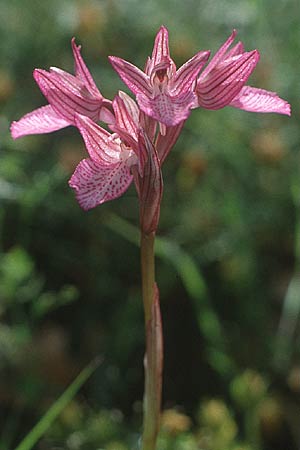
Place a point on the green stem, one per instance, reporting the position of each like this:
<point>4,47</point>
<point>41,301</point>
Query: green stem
<point>148,272</point>
<point>154,353</point>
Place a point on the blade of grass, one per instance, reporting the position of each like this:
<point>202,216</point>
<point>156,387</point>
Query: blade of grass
<point>195,286</point>
<point>58,406</point>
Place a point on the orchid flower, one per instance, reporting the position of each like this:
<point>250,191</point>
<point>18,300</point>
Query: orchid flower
<point>67,95</point>
<point>223,80</point>
<point>116,159</point>
<point>162,92</point>
<point>106,174</point>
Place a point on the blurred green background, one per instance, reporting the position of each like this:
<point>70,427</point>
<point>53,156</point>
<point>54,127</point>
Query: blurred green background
<point>228,253</point>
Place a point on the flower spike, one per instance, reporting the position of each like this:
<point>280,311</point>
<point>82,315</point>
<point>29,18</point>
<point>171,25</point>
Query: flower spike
<point>140,134</point>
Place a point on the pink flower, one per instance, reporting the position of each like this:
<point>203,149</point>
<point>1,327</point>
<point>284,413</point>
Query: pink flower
<point>116,160</point>
<point>223,80</point>
<point>162,92</point>
<point>67,95</point>
<point>106,174</point>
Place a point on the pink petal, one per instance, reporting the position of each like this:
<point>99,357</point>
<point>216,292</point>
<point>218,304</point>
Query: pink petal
<point>105,115</point>
<point>220,54</point>
<point>161,51</point>
<point>148,66</point>
<point>66,80</point>
<point>167,110</point>
<point>95,184</point>
<point>187,73</point>
<point>82,71</point>
<point>259,100</point>
<point>224,82</point>
<point>132,76</point>
<point>130,105</point>
<point>124,119</point>
<point>128,139</point>
<point>237,49</point>
<point>100,144</point>
<point>64,93</point>
<point>127,120</point>
<point>39,121</point>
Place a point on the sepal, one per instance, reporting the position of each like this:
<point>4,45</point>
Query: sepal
<point>150,186</point>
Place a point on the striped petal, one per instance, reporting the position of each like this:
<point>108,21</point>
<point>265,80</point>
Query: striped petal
<point>224,82</point>
<point>95,184</point>
<point>127,120</point>
<point>130,105</point>
<point>258,100</point>
<point>220,55</point>
<point>132,76</point>
<point>123,109</point>
<point>64,93</point>
<point>66,80</point>
<point>237,49</point>
<point>100,144</point>
<point>82,71</point>
<point>39,121</point>
<point>161,52</point>
<point>187,73</point>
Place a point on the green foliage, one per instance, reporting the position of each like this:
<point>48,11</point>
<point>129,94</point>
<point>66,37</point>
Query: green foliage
<point>228,252</point>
